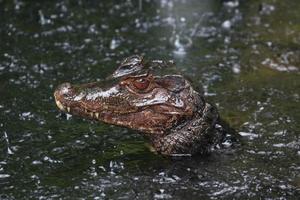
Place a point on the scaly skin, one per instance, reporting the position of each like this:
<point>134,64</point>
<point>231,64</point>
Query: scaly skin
<point>167,109</point>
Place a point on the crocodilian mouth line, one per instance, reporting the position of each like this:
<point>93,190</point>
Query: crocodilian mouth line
<point>62,107</point>
<point>68,109</point>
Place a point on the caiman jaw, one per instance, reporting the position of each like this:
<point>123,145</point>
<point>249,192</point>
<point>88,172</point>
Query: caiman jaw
<point>60,106</point>
<point>93,102</point>
<point>60,92</point>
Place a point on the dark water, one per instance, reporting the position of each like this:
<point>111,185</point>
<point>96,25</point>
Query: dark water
<point>245,54</point>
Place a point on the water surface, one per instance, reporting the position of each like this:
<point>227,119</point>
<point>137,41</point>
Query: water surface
<point>244,54</point>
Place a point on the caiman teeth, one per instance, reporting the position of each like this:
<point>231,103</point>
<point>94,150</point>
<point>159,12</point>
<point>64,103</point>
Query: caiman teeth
<point>91,113</point>
<point>59,105</point>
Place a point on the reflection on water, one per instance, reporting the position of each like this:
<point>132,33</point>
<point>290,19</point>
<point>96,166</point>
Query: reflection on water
<point>245,56</point>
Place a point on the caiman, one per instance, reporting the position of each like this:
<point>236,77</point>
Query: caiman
<point>165,108</point>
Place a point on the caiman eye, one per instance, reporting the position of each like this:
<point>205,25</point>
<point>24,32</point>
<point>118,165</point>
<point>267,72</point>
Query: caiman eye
<point>141,83</point>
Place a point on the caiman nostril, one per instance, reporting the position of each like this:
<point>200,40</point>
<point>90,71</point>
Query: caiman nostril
<point>64,88</point>
<point>61,93</point>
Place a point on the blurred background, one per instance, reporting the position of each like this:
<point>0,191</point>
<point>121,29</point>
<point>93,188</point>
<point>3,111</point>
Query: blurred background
<point>244,54</point>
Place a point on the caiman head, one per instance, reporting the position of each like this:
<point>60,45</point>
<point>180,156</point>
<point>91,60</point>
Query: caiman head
<point>134,97</point>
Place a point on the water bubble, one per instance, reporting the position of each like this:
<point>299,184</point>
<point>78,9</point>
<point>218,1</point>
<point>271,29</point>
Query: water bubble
<point>167,3</point>
<point>279,66</point>
<point>37,162</point>
<point>279,133</point>
<point>236,68</point>
<point>114,43</point>
<point>68,116</point>
<point>43,20</point>
<point>181,43</point>
<point>280,145</point>
<point>18,4</point>
<point>266,9</point>
<point>249,135</point>
<point>4,176</point>
<point>231,4</point>
<point>226,24</point>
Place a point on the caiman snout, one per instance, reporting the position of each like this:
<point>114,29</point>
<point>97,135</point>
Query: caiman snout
<point>62,93</point>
